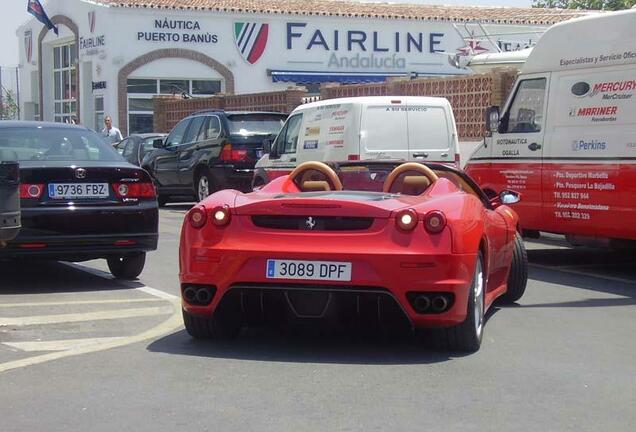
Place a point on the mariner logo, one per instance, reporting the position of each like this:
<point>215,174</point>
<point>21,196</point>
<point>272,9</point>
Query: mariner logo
<point>251,39</point>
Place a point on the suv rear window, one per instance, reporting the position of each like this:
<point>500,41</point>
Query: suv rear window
<point>54,143</point>
<point>255,124</point>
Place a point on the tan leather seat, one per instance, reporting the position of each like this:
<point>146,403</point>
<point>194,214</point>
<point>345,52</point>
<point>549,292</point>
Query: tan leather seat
<point>414,185</point>
<point>315,186</point>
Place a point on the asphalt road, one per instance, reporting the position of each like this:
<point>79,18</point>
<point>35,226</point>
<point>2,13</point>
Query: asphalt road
<point>82,352</point>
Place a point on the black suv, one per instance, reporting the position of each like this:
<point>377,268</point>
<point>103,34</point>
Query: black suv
<point>209,151</point>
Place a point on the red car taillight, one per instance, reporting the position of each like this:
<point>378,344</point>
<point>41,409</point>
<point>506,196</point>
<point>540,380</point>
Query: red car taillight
<point>406,220</point>
<point>31,191</point>
<point>198,217</point>
<point>134,190</point>
<point>229,154</point>
<point>434,222</point>
<point>221,215</point>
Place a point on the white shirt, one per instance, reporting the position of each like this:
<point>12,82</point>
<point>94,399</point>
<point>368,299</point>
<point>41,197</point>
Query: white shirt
<point>113,134</point>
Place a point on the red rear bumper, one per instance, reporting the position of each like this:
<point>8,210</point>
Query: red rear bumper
<point>382,258</point>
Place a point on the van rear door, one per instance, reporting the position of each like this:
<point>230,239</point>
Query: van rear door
<point>431,133</point>
<point>384,130</point>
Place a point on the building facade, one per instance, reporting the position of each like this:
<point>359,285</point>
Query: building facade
<point>112,56</point>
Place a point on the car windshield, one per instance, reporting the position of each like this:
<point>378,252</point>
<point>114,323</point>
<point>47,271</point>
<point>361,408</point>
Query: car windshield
<point>54,143</point>
<point>255,124</point>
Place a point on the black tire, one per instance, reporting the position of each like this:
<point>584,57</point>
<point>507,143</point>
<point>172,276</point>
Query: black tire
<point>127,266</point>
<point>162,200</point>
<point>209,328</point>
<point>518,277</point>
<point>203,176</point>
<point>466,336</point>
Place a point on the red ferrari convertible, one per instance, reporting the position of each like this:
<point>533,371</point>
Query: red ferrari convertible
<point>361,243</point>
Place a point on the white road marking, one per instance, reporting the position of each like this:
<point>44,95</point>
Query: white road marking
<point>158,293</point>
<point>86,316</point>
<point>79,302</point>
<point>60,345</point>
<point>170,325</point>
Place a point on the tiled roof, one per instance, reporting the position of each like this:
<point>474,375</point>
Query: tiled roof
<point>343,8</point>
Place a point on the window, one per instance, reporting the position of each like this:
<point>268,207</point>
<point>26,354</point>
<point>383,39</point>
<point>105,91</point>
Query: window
<point>211,129</point>
<point>65,82</point>
<point>99,112</point>
<point>149,144</point>
<point>207,87</point>
<point>129,148</point>
<point>174,86</point>
<point>140,123</point>
<point>526,111</point>
<point>255,124</point>
<point>121,146</point>
<point>193,130</point>
<point>56,144</point>
<point>145,86</point>
<point>142,90</point>
<point>291,136</point>
<point>288,136</point>
<point>176,136</point>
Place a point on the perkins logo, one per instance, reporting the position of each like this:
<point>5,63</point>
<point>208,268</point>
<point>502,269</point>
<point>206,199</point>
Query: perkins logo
<point>582,145</point>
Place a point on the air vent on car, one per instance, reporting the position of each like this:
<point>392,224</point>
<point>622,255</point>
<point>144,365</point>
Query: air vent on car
<point>313,223</point>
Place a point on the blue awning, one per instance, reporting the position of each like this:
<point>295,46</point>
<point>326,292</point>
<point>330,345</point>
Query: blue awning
<point>305,77</point>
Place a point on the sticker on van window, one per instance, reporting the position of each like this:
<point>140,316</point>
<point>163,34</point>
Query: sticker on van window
<point>312,130</point>
<point>310,145</point>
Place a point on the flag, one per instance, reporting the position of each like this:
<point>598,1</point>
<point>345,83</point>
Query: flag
<point>35,8</point>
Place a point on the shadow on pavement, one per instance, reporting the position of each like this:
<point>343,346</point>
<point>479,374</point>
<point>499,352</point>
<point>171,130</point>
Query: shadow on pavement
<point>264,345</point>
<point>40,277</point>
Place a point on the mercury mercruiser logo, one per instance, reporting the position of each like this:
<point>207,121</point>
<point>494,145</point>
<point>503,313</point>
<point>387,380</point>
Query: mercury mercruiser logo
<point>310,223</point>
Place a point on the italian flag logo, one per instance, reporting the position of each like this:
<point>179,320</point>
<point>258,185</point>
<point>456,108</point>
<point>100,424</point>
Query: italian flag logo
<point>251,39</point>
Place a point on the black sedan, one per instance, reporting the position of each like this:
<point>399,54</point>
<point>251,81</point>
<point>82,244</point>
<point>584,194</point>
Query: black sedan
<point>135,147</point>
<point>80,200</point>
<point>9,200</point>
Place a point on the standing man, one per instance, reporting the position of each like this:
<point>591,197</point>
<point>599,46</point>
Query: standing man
<point>110,132</point>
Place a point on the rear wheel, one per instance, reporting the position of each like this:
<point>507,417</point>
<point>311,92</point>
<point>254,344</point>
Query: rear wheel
<point>127,266</point>
<point>203,185</point>
<point>210,328</point>
<point>518,277</point>
<point>467,335</point>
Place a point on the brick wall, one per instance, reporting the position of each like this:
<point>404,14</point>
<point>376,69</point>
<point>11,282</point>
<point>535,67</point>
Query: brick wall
<point>168,110</point>
<point>469,96</point>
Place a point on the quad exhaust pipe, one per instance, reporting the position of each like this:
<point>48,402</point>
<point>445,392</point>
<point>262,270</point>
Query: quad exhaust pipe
<point>430,303</point>
<point>439,303</point>
<point>198,295</point>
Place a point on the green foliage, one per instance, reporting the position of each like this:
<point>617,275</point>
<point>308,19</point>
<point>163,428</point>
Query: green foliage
<point>608,5</point>
<point>9,108</point>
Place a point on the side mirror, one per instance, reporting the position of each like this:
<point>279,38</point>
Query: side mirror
<point>157,143</point>
<point>492,119</point>
<point>267,145</point>
<point>505,197</point>
<point>509,197</point>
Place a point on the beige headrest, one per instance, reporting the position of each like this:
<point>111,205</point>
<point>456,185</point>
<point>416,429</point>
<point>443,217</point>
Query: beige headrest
<point>315,186</point>
<point>414,185</point>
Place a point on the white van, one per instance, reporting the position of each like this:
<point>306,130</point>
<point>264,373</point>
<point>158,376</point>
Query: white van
<point>566,137</point>
<point>363,128</point>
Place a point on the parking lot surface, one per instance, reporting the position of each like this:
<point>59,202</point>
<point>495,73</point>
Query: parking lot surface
<point>81,351</point>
